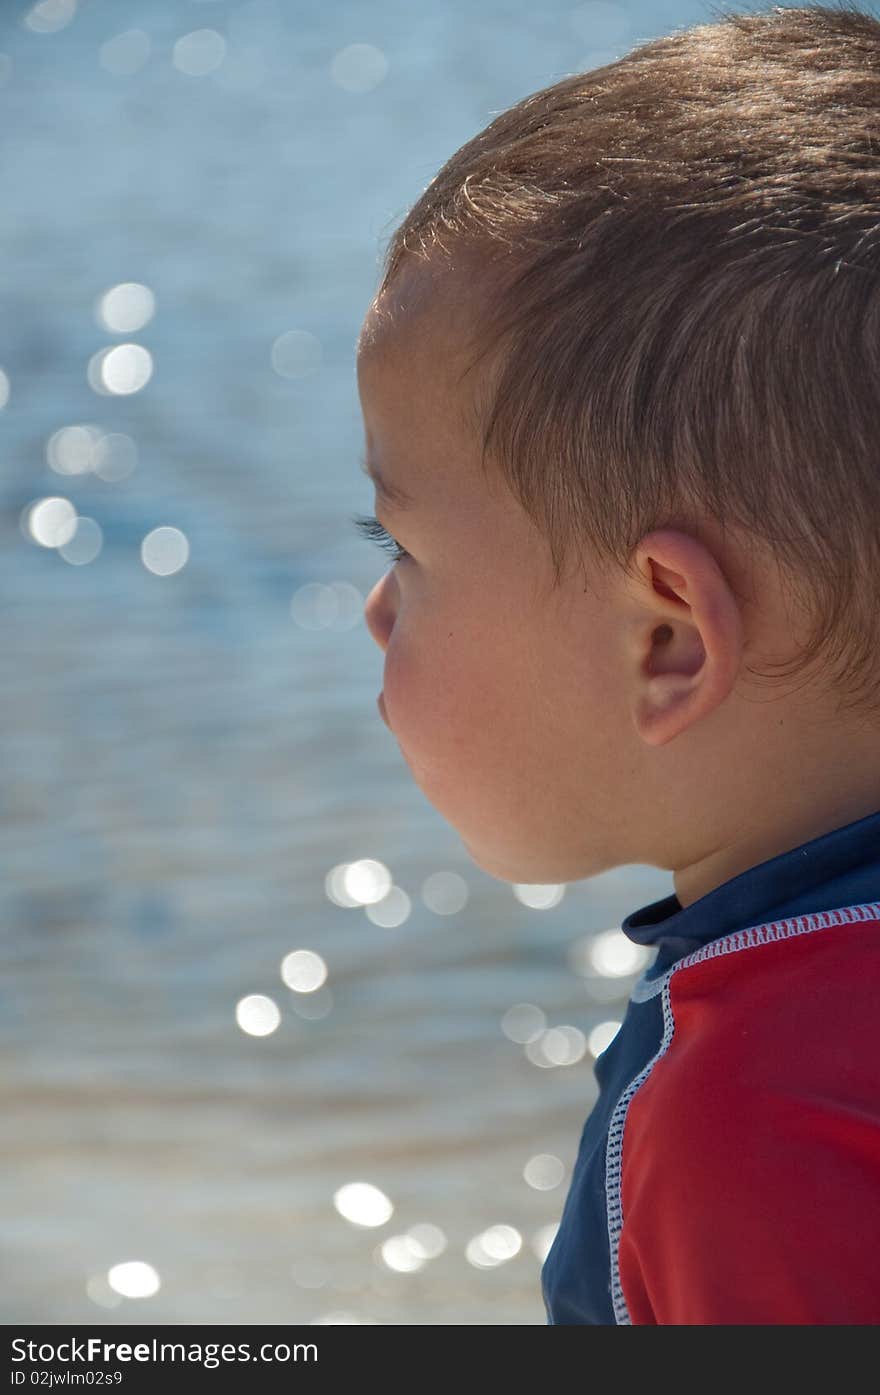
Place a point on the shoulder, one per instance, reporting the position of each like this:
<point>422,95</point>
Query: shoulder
<point>754,1139</point>
<point>761,1036</point>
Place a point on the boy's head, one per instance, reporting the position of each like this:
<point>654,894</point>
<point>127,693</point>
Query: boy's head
<point>624,360</point>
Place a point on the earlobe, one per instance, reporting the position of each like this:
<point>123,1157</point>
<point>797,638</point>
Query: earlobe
<point>686,681</point>
<point>673,672</point>
<point>669,705</point>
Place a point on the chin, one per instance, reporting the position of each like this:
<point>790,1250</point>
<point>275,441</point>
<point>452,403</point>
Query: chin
<point>505,868</point>
<point>529,868</point>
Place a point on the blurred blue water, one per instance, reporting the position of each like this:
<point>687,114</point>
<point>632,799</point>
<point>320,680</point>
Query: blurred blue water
<point>182,762</point>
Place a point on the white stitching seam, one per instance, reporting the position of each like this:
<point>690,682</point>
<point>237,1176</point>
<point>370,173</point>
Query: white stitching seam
<point>644,990</point>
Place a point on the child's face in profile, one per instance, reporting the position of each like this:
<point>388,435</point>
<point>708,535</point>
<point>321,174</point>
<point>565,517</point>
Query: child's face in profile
<point>501,694</point>
<point>566,731</point>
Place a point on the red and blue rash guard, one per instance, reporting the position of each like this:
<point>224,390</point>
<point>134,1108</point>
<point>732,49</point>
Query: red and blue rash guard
<point>730,1169</point>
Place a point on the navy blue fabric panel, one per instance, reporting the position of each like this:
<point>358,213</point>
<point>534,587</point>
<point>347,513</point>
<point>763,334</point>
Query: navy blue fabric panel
<point>576,1275</point>
<point>839,868</point>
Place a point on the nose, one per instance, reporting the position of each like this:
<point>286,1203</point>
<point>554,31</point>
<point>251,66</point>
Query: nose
<point>379,610</point>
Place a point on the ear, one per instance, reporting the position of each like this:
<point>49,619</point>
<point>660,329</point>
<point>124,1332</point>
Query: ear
<point>687,635</point>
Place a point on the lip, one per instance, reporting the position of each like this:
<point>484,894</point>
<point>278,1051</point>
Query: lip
<point>380,703</point>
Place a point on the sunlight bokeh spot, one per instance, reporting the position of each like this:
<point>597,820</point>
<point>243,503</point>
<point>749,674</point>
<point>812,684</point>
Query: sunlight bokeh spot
<point>601,1037</point>
<point>363,1204</point>
<point>71,450</point>
<point>84,448</point>
<point>564,1045</point>
<point>134,1279</point>
<point>85,544</point>
<point>125,369</point>
<point>51,522</point>
<point>296,354</point>
<point>303,970</point>
<point>493,1246</point>
<point>334,887</point>
<point>199,52</point>
<point>125,308</point>
<point>314,606</point>
<point>544,1171</point>
<point>429,1238</point>
<point>557,1046</point>
<point>114,456</point>
<point>359,67</point>
<point>393,910</point>
<point>502,1242</point>
<point>543,1238</point>
<point>48,16</point>
<point>445,893</point>
<point>257,1014</point>
<point>401,1253</point>
<point>349,606</point>
<point>523,1022</point>
<point>367,881</point>
<point>615,955</point>
<point>608,954</point>
<point>165,551</point>
<point>538,897</point>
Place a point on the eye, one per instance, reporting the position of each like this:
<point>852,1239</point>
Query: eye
<point>371,528</point>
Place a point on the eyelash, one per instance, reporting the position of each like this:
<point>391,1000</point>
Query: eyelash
<point>371,528</point>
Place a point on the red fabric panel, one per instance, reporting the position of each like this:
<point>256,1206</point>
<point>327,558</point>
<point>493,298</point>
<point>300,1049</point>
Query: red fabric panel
<point>751,1154</point>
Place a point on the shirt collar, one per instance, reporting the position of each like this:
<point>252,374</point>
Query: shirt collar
<point>840,868</point>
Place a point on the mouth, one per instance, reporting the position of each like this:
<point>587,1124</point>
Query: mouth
<point>380,703</point>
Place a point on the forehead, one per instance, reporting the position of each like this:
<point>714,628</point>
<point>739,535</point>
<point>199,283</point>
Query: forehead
<point>414,294</point>
<point>422,323</point>
<point>426,385</point>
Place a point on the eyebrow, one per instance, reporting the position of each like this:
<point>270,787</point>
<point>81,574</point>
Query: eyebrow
<point>394,496</point>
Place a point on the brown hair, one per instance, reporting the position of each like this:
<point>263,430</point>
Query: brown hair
<point>682,251</point>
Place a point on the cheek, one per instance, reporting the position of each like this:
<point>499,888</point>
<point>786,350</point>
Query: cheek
<point>416,687</point>
<point>449,707</point>
<point>432,694</point>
